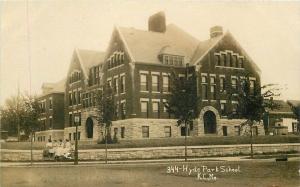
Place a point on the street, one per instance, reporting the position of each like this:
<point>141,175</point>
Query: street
<point>201,173</point>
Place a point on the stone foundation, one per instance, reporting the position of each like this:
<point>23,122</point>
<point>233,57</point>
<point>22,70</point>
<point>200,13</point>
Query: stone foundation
<point>158,152</point>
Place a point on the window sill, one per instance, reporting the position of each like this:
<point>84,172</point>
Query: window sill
<point>144,91</point>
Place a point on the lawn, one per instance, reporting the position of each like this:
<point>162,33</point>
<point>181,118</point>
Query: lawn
<point>250,174</point>
<point>164,142</point>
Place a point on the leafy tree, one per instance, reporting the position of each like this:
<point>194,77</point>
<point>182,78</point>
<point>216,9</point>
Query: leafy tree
<point>20,114</point>
<point>105,113</point>
<point>254,101</point>
<point>183,100</point>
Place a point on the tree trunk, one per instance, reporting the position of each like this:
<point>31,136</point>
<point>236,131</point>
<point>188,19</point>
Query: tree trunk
<point>31,156</point>
<point>185,142</point>
<point>251,139</point>
<point>105,144</point>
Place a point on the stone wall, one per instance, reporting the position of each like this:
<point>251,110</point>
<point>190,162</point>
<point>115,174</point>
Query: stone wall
<point>133,128</point>
<point>157,152</point>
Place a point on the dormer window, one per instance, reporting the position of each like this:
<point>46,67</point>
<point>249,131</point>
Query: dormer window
<point>174,60</point>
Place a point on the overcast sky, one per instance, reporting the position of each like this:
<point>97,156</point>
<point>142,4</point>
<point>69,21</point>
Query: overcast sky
<point>268,31</point>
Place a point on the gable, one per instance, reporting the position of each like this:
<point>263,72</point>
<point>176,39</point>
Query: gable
<point>226,44</point>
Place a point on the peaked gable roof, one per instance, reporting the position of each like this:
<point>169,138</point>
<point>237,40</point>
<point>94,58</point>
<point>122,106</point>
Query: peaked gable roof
<point>57,87</point>
<point>88,59</point>
<point>206,46</point>
<point>145,46</point>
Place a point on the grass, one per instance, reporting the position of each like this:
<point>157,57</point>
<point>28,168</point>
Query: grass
<point>251,174</point>
<point>164,142</point>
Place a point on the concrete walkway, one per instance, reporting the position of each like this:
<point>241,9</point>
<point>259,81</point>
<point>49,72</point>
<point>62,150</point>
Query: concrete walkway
<point>140,162</point>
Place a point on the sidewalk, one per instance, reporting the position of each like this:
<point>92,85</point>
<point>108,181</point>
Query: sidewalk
<point>138,162</point>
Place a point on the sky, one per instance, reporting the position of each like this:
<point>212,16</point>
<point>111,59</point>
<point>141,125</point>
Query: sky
<point>42,39</point>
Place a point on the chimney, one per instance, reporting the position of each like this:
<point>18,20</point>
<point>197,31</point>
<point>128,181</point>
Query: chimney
<point>216,31</point>
<point>157,22</point>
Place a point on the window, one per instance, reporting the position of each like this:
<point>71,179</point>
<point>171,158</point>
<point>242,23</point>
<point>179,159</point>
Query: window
<point>70,136</point>
<point>222,84</point>
<point>237,130</point>
<point>252,86</point>
<point>217,60</point>
<point>74,98</point>
<point>166,87</point>
<point>117,111</point>
<point>203,79</point>
<point>122,84</point>
<point>79,97</point>
<point>234,108</point>
<point>123,110</point>
<point>223,109</point>
<point>241,63</point>
<point>78,135</point>
<point>144,82</point>
<point>50,103</point>
<point>213,92</point>
<point>116,85</point>
<point>74,135</point>
<point>50,123</point>
<point>234,61</point>
<point>155,83</point>
<point>70,120</point>
<point>70,99</point>
<point>145,131</point>
<point>155,107</point>
<point>115,132</point>
<point>212,80</point>
<point>233,84</point>
<point>223,60</point>
<point>122,132</point>
<point>167,131</point>
<point>144,109</point>
<point>166,59</point>
<point>204,91</point>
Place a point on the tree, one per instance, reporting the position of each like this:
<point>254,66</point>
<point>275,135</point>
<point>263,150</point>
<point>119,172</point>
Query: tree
<point>183,100</point>
<point>295,107</point>
<point>254,101</point>
<point>105,113</point>
<point>20,114</point>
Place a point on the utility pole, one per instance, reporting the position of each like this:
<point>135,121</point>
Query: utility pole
<point>185,121</point>
<point>76,118</point>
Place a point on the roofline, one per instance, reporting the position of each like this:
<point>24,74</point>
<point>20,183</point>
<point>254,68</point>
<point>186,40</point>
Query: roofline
<point>207,51</point>
<point>246,54</point>
<point>80,62</point>
<point>125,43</point>
<point>239,46</point>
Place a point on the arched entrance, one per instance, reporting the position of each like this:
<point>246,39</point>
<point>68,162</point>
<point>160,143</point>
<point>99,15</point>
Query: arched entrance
<point>210,124</point>
<point>89,127</point>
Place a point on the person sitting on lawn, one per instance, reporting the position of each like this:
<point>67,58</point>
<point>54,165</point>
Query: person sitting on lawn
<point>49,147</point>
<point>60,149</point>
<point>67,149</point>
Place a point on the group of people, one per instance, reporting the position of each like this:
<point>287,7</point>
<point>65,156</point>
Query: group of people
<point>59,148</point>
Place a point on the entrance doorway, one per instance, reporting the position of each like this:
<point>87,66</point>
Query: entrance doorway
<point>210,124</point>
<point>89,127</point>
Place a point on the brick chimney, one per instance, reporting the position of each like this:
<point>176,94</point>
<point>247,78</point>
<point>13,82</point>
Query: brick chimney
<point>216,31</point>
<point>157,22</point>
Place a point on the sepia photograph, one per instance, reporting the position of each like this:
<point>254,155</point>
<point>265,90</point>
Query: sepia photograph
<point>149,93</point>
